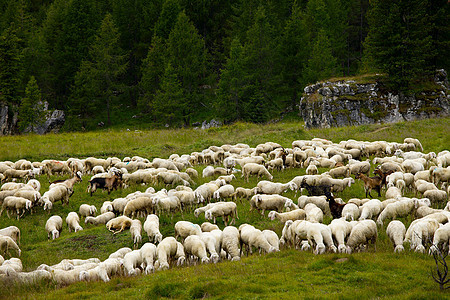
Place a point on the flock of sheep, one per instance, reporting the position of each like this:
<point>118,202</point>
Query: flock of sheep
<point>401,167</point>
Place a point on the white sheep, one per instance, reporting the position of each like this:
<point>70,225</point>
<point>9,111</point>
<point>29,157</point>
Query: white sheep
<point>148,255</point>
<point>362,233</point>
<point>224,192</point>
<point>14,264</point>
<point>370,209</point>
<point>87,210</point>
<point>340,230</point>
<point>273,202</point>
<point>436,196</point>
<point>136,232</point>
<point>255,169</point>
<point>393,193</point>
<point>72,221</point>
<point>272,238</point>
<point>183,229</point>
<point>13,232</point>
<point>100,219</point>
<point>151,227</point>
<point>208,227</point>
<point>17,205</point>
<point>113,266</point>
<point>53,226</point>
<point>244,193</point>
<point>401,208</point>
<point>106,207</point>
<point>319,201</point>
<point>312,170</point>
<point>120,253</point>
<point>297,214</point>
<point>350,212</point>
<point>118,224</point>
<point>195,248</point>
<point>396,231</point>
<point>230,242</point>
<point>421,230</point>
<point>212,246</point>
<point>317,233</point>
<point>95,274</point>
<point>7,243</point>
<point>441,236</point>
<point>131,261</point>
<point>268,187</point>
<point>252,237</point>
<point>313,213</point>
<point>224,210</point>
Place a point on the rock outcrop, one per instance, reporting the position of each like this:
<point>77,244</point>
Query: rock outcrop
<point>343,103</point>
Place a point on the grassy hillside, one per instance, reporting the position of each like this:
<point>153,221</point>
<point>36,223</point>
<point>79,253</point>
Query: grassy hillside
<point>288,274</point>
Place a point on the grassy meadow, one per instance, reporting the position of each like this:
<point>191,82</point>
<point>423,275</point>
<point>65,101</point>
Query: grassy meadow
<point>284,275</point>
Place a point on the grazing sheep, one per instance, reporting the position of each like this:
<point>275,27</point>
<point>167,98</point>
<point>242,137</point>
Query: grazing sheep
<point>273,202</point>
<point>120,253</point>
<point>208,227</point>
<point>252,237</point>
<point>370,209</point>
<point>212,246</point>
<point>401,208</point>
<point>313,213</point>
<point>268,187</point>
<point>312,170</point>
<point>441,236</point>
<point>184,229</point>
<point>396,231</point>
<point>272,238</point>
<point>436,196</point>
<point>13,232</point>
<point>106,207</point>
<point>244,193</point>
<point>151,227</point>
<point>255,169</point>
<point>100,219</point>
<point>136,232</point>
<point>224,210</point>
<point>148,256</point>
<point>319,201</point>
<point>340,230</point>
<point>317,233</point>
<point>362,232</point>
<point>165,250</point>
<point>7,243</point>
<point>224,192</point>
<point>230,242</point>
<point>17,205</point>
<point>53,226</point>
<point>131,261</point>
<point>195,248</point>
<point>87,210</point>
<point>297,214</point>
<point>72,221</point>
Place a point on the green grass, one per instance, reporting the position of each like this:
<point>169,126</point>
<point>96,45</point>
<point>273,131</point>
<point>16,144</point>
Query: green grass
<point>288,274</point>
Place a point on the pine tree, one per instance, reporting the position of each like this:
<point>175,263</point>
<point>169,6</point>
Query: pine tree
<point>399,42</point>
<point>11,67</point>
<point>187,55</point>
<point>31,110</point>
<point>322,64</point>
<point>169,101</point>
<point>229,93</point>
<point>166,21</point>
<point>101,74</point>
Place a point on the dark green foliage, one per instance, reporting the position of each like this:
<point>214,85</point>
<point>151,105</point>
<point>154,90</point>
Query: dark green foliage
<point>31,111</point>
<point>399,41</point>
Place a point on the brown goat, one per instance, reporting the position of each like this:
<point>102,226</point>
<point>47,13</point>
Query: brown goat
<point>383,175</point>
<point>370,183</point>
<point>106,183</point>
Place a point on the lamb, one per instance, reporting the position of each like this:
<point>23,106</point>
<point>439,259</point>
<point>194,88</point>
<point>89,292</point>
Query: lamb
<point>106,207</point>
<point>313,213</point>
<point>268,187</point>
<point>370,209</point>
<point>13,232</point>
<point>440,174</point>
<point>224,192</point>
<point>363,232</point>
<point>195,248</point>
<point>7,243</point>
<point>165,250</point>
<point>16,204</point>
<point>416,143</point>
<point>119,224</point>
<point>297,214</point>
<point>212,246</point>
<point>192,172</point>
<point>131,261</point>
<point>57,193</point>
<point>255,169</point>
<point>312,170</point>
<point>136,232</point>
<point>53,226</point>
<point>95,274</point>
<point>351,212</point>
<point>141,203</point>
<point>72,221</point>
<point>337,172</point>
<point>275,164</point>
<point>184,229</point>
<point>396,231</point>
<point>420,231</point>
<point>11,265</point>
<point>359,167</point>
<point>253,237</point>
<point>230,242</point>
<point>148,255</point>
<point>100,219</point>
<point>224,210</point>
<point>318,233</point>
<point>87,210</point>
<point>340,230</point>
<point>31,195</point>
<point>151,227</point>
<point>274,202</point>
<point>11,174</point>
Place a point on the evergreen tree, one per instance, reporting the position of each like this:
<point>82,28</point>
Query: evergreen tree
<point>399,42</point>
<point>11,67</point>
<point>187,55</point>
<point>169,101</point>
<point>152,71</point>
<point>31,111</point>
<point>229,101</point>
<point>322,64</point>
<point>102,73</point>
<point>166,21</point>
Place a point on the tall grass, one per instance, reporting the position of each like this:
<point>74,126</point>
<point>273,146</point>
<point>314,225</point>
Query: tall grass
<point>288,274</point>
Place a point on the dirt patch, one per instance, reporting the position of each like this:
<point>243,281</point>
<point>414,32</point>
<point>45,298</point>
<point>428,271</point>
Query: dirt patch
<point>380,129</point>
<point>341,260</point>
<point>87,241</point>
